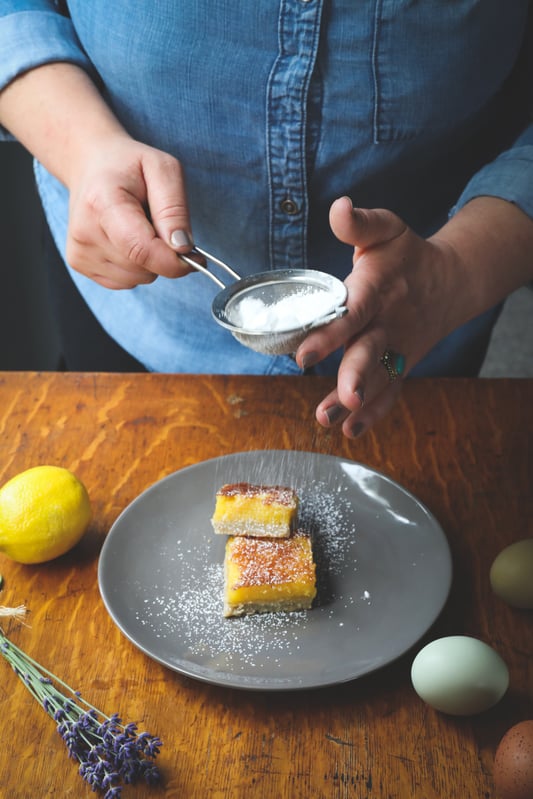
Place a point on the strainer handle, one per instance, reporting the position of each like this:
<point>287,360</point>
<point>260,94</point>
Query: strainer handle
<point>202,269</point>
<point>205,270</point>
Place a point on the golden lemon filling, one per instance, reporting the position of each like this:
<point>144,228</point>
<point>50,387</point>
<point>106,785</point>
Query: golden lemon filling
<point>254,510</point>
<point>268,575</point>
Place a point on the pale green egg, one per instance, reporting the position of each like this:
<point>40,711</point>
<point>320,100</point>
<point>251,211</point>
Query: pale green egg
<point>459,675</point>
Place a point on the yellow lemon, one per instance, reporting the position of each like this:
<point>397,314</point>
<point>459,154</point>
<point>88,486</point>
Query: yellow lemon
<point>44,512</point>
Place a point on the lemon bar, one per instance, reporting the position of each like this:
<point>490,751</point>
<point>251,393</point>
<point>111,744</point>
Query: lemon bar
<point>267,575</point>
<point>255,510</point>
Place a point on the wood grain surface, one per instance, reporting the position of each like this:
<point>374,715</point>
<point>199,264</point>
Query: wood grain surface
<point>463,447</point>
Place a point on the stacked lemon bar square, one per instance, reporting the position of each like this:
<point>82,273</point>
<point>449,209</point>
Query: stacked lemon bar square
<point>268,563</point>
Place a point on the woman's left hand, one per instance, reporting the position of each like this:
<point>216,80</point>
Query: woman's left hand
<point>399,295</point>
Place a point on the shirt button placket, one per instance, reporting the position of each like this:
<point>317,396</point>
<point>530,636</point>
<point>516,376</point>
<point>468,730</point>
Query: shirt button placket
<point>299,28</point>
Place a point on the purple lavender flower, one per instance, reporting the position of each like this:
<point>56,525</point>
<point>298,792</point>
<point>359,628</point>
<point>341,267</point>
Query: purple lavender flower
<point>110,754</point>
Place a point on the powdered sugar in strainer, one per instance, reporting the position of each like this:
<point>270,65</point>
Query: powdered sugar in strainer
<point>272,312</point>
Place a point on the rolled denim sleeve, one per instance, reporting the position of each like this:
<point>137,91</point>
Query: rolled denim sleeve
<point>509,177</point>
<point>34,33</point>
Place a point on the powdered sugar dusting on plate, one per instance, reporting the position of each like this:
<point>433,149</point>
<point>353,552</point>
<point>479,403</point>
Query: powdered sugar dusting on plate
<point>195,592</point>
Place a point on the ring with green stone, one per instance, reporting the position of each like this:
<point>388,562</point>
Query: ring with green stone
<point>394,363</point>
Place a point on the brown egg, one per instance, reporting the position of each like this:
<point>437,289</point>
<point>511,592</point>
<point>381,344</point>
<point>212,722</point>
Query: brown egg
<point>513,763</point>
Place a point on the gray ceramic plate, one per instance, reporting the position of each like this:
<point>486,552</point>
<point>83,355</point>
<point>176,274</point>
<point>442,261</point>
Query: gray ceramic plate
<point>384,573</point>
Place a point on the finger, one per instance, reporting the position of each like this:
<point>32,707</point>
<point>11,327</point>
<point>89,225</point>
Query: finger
<point>361,378</point>
<point>114,277</point>
<point>363,368</point>
<point>331,412</point>
<point>360,372</point>
<point>167,200</point>
<point>361,227</point>
<point>94,265</point>
<point>133,243</point>
<point>356,424</point>
<point>363,303</point>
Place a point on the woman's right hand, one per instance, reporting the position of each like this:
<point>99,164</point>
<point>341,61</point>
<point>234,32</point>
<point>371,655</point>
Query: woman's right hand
<point>128,217</point>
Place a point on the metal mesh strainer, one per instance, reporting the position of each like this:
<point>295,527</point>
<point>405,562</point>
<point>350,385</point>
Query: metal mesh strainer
<point>268,290</point>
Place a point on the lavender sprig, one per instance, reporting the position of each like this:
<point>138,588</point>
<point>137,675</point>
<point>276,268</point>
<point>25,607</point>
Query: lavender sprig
<point>108,752</point>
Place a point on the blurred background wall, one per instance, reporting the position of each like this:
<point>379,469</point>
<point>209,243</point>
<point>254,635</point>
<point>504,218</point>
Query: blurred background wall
<point>28,338</point>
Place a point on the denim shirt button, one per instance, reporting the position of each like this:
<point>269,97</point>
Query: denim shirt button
<point>289,207</point>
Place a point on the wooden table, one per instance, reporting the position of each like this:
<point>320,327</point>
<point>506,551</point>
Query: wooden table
<point>463,447</point>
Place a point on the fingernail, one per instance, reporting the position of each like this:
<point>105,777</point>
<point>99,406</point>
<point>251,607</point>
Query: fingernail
<point>180,238</point>
<point>334,413</point>
<point>361,394</point>
<point>310,359</point>
<point>346,199</point>
<point>357,429</point>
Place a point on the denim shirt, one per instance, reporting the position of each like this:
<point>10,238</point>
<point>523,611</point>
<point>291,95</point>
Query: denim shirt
<point>277,108</point>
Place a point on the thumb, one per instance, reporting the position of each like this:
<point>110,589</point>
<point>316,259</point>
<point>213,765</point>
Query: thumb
<point>167,201</point>
<point>362,227</point>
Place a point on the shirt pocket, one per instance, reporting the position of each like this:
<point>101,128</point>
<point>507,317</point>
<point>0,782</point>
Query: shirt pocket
<point>437,62</point>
